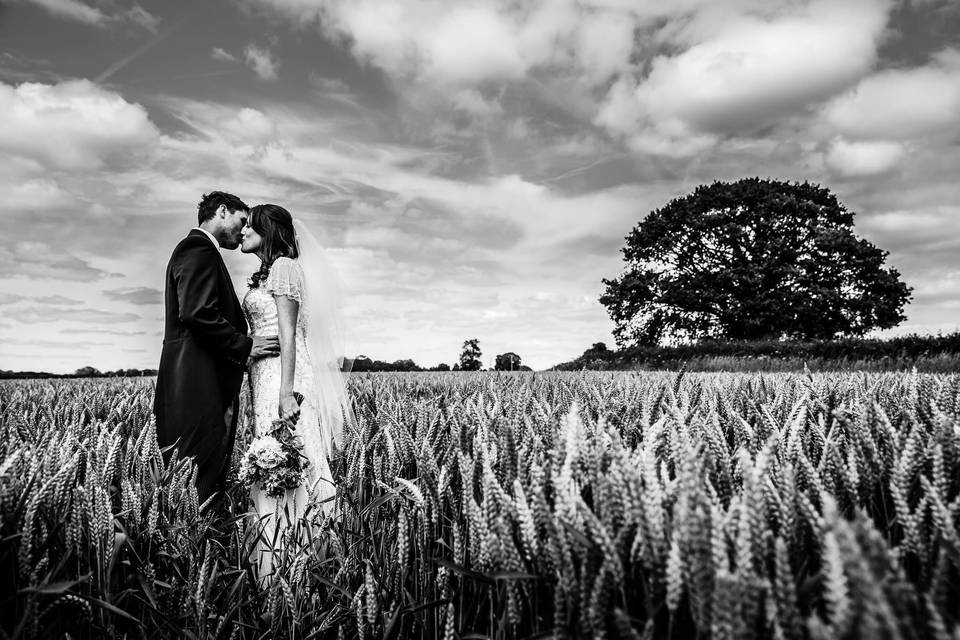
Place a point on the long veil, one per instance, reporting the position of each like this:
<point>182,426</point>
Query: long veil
<point>323,304</point>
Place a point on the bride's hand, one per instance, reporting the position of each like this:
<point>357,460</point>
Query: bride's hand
<point>289,408</point>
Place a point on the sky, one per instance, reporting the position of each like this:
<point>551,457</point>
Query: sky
<point>471,166</point>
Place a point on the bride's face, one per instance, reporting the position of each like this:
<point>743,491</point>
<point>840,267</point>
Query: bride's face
<point>252,240</point>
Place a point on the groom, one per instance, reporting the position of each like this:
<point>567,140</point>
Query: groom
<point>205,345</point>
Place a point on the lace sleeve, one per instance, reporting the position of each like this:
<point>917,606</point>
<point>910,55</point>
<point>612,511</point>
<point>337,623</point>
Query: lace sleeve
<point>285,279</point>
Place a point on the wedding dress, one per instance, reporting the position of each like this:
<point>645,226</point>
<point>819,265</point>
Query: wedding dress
<point>286,278</point>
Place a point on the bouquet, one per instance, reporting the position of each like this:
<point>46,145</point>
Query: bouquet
<point>275,461</point>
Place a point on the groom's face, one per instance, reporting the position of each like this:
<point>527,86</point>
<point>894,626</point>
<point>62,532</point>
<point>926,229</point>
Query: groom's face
<point>233,224</point>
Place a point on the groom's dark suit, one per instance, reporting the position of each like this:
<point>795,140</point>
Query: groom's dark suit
<point>205,348</point>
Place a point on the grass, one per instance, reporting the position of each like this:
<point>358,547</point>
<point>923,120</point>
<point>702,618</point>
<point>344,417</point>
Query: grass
<point>612,505</point>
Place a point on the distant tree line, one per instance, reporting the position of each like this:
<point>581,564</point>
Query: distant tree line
<point>364,364</point>
<point>900,350</point>
<point>469,361</point>
<point>82,372</point>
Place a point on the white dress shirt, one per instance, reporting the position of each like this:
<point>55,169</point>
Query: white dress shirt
<point>209,235</point>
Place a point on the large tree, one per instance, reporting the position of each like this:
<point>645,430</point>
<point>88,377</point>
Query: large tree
<point>508,361</point>
<point>749,260</point>
<point>470,356</point>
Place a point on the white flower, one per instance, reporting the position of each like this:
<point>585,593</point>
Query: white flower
<point>266,452</point>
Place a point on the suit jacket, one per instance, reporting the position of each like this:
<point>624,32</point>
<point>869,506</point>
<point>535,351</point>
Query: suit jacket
<point>205,348</point>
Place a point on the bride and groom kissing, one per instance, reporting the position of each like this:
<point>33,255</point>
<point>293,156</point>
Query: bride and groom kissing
<point>286,334</point>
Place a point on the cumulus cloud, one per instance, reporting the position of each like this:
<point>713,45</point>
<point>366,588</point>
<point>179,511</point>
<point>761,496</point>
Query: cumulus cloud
<point>222,55</point>
<point>856,159</point>
<point>471,44</point>
<point>667,78</point>
<point>250,126</point>
<point>665,136</point>
<point>901,103</point>
<point>743,77</point>
<point>73,125</point>
<point>261,61</point>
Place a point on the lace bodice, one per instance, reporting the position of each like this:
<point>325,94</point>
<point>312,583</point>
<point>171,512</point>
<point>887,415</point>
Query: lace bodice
<point>285,279</point>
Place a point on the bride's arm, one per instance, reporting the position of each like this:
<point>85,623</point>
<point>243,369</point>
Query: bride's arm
<point>287,310</point>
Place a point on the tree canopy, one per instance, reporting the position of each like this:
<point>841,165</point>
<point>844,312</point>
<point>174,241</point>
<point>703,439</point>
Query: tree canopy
<point>751,260</point>
<point>508,361</point>
<point>470,356</point>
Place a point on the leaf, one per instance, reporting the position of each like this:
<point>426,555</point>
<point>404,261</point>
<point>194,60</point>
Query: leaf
<point>392,624</point>
<point>111,608</point>
<point>56,587</point>
<point>376,504</point>
<point>582,539</point>
<point>456,568</point>
<point>433,604</point>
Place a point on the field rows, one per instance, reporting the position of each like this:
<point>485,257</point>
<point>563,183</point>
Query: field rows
<point>607,505</point>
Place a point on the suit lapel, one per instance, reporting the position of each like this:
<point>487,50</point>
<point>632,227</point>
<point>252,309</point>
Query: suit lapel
<point>238,317</point>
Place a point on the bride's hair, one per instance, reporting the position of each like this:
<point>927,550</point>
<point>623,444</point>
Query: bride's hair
<point>275,226</point>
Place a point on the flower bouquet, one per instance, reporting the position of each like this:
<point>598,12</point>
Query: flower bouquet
<point>275,461</point>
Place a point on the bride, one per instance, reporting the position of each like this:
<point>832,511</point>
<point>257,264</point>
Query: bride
<point>294,295</point>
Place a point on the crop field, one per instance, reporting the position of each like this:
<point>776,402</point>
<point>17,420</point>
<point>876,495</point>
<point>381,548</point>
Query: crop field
<point>563,505</point>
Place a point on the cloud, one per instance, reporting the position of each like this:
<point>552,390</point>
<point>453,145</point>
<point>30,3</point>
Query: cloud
<point>10,298</point>
<point>901,103</point>
<point>95,16</point>
<point>140,16</point>
<point>57,300</point>
<point>471,44</point>
<point>109,332</point>
<point>32,194</point>
<point>222,55</point>
<point>422,231</point>
<point>53,344</point>
<point>73,125</point>
<point>671,79</point>
<point>920,231</point>
<point>473,102</point>
<point>31,315</point>
<point>741,77</point>
<point>228,126</point>
<point>136,295</point>
<point>486,199</point>
<point>250,126</point>
<point>39,260</point>
<point>861,159</point>
<point>73,10</point>
<point>261,61</point>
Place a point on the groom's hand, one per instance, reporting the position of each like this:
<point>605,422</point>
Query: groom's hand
<point>265,347</point>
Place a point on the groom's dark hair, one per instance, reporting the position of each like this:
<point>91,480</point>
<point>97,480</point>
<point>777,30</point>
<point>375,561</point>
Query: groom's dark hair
<point>212,201</point>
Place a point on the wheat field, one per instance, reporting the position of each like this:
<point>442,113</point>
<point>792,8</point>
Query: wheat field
<point>576,505</point>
